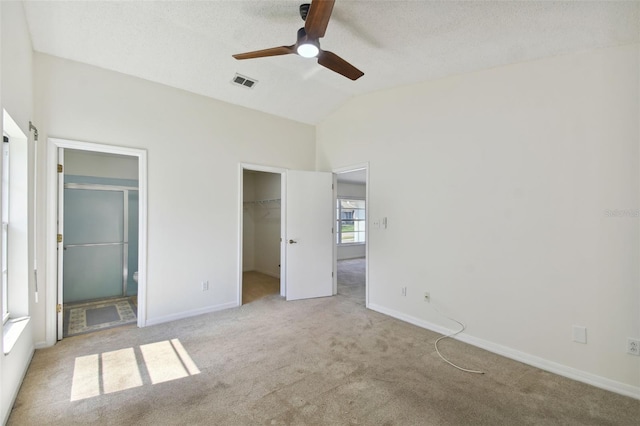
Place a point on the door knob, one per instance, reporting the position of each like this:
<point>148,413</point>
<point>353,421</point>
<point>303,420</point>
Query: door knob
<point>293,242</point>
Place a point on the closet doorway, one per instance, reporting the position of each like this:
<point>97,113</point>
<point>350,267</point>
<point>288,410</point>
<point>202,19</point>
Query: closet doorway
<point>261,235</point>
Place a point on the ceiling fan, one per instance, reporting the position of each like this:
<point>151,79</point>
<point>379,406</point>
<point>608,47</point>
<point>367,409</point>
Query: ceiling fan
<point>316,16</point>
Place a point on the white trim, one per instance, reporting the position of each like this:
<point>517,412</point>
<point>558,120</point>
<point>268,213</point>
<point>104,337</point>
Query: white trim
<point>51,226</point>
<point>543,364</point>
<point>15,391</point>
<point>283,203</point>
<point>192,313</point>
<point>11,333</point>
<point>41,345</point>
<point>60,246</point>
<point>353,168</point>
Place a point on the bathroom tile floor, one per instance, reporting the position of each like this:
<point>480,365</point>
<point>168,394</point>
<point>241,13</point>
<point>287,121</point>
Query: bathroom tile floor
<point>85,317</point>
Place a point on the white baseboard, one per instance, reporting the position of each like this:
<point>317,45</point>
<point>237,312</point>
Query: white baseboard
<point>543,364</point>
<point>192,313</point>
<point>270,273</point>
<point>42,345</point>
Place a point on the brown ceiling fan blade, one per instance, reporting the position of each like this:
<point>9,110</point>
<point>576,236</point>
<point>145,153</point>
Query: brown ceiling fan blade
<point>274,51</point>
<point>318,18</point>
<point>336,63</point>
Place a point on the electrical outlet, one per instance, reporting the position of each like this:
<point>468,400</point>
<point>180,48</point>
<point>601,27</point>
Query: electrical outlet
<point>404,291</point>
<point>633,346</point>
<point>205,285</point>
<point>427,297</point>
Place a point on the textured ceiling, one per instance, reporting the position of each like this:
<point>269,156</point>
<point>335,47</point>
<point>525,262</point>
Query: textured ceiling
<point>188,44</point>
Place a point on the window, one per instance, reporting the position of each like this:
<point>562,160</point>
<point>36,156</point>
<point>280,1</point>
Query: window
<point>350,218</point>
<point>5,228</point>
<point>14,259</point>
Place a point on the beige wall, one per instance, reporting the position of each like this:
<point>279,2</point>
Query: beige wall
<point>84,163</point>
<point>195,145</point>
<point>496,185</point>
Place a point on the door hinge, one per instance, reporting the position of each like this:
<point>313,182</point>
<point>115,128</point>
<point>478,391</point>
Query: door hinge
<point>332,230</point>
<point>59,238</point>
<point>331,274</point>
<point>59,168</point>
<point>58,308</point>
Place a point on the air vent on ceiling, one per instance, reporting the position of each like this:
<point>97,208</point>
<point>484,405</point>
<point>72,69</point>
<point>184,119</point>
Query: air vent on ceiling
<point>244,81</point>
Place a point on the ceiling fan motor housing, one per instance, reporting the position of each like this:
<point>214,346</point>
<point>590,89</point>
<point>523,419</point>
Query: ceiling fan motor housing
<point>304,10</point>
<point>304,39</point>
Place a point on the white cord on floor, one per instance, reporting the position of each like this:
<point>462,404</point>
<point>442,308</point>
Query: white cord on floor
<point>451,335</point>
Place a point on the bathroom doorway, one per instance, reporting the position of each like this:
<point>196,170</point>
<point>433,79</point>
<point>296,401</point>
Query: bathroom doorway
<point>99,200</point>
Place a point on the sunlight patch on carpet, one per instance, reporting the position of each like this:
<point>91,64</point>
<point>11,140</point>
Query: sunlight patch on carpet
<point>165,362</point>
<point>115,371</point>
<point>120,371</point>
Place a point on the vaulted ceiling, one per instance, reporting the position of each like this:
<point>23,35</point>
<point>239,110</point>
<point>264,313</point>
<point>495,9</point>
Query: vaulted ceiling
<point>188,44</point>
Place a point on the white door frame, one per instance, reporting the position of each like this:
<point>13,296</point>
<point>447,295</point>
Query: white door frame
<point>345,169</point>
<point>52,226</point>
<point>283,204</point>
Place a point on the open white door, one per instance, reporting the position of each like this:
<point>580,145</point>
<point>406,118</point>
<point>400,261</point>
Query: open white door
<point>60,236</point>
<point>309,236</point>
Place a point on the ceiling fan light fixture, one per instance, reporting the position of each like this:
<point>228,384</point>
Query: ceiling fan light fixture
<point>308,50</point>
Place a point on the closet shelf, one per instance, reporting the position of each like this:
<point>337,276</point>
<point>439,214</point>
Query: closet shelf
<point>271,200</point>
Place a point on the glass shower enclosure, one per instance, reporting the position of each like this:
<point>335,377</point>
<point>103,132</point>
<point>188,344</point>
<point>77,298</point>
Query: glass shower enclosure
<point>100,241</point>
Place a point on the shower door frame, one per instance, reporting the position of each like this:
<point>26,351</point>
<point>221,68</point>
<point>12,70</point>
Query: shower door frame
<point>125,229</point>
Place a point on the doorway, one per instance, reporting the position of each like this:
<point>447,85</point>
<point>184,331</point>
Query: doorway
<point>306,231</point>
<point>100,240</point>
<point>261,235</point>
<point>352,234</point>
<point>93,190</point>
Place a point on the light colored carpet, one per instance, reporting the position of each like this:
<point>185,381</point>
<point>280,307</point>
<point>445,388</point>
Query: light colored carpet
<point>325,361</point>
<point>256,285</point>
<point>351,279</point>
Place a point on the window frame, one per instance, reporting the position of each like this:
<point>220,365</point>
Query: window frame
<point>339,221</point>
<point>4,264</point>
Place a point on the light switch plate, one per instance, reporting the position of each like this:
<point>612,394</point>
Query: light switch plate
<point>579,334</point>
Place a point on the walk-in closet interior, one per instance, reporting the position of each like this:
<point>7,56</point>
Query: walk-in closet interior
<point>261,248</point>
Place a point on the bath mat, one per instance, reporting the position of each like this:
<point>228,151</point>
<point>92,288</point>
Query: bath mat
<point>83,318</point>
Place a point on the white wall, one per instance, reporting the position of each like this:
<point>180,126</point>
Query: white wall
<point>267,219</point>
<point>195,145</point>
<point>496,186</point>
<point>248,224</point>
<point>16,90</point>
<point>357,191</point>
<point>84,163</point>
